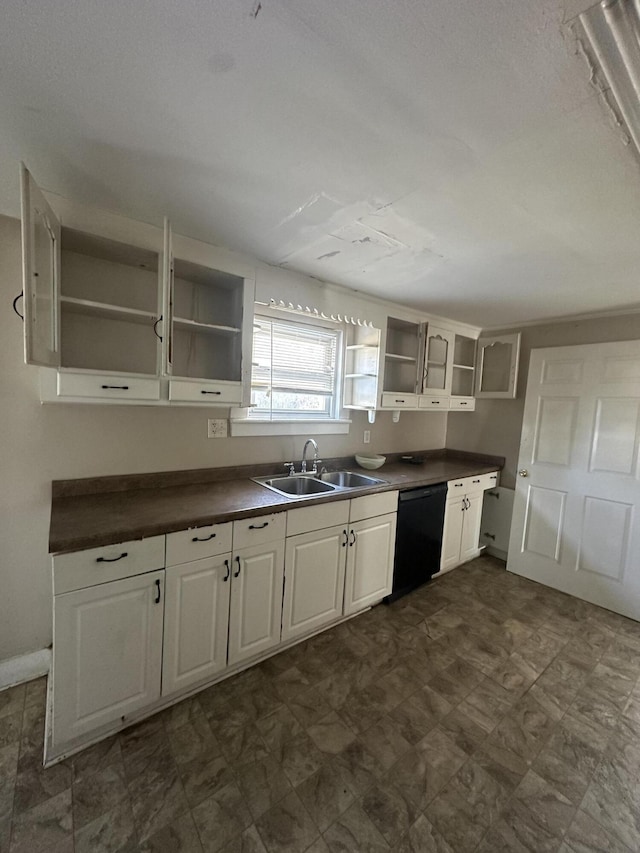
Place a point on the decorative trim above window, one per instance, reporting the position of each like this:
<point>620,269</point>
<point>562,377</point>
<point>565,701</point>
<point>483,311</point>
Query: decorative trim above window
<point>280,305</point>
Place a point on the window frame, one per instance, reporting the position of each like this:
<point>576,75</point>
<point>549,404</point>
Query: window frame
<point>243,423</point>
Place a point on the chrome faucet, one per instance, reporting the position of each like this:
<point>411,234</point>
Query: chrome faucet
<point>303,467</point>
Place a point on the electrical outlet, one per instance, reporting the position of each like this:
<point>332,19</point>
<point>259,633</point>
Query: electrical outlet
<point>216,428</point>
<point>367,436</point>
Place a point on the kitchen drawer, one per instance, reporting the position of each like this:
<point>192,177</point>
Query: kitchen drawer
<point>463,403</point>
<point>112,562</point>
<point>199,542</point>
<point>489,481</point>
<point>399,401</point>
<point>107,387</point>
<point>207,393</point>
<point>317,517</point>
<point>465,485</point>
<point>369,506</point>
<point>255,531</point>
<point>425,402</point>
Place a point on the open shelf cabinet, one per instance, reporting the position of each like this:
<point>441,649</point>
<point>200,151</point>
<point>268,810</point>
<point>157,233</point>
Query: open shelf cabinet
<point>361,367</point>
<point>103,311</point>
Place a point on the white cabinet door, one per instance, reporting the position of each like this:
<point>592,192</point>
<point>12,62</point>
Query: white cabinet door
<point>196,621</point>
<point>438,361</point>
<point>452,533</point>
<point>472,516</point>
<point>314,580</point>
<point>369,574</point>
<point>497,366</point>
<point>256,600</point>
<point>107,653</point>
<point>40,275</point>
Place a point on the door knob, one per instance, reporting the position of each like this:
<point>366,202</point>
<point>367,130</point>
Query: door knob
<point>523,472</point>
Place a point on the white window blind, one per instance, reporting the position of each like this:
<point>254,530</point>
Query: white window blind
<point>294,370</point>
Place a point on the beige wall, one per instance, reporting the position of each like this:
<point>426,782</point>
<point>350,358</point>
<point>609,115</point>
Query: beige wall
<point>495,426</point>
<point>43,443</point>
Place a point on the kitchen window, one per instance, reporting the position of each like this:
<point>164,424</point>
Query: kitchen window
<point>295,377</point>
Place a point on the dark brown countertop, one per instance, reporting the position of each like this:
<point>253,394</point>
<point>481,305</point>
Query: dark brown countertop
<point>104,511</point>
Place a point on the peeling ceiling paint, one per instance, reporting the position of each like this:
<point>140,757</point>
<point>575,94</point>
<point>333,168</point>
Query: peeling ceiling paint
<point>454,157</point>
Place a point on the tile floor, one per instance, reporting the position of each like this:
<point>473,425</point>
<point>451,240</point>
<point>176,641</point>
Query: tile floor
<point>483,712</point>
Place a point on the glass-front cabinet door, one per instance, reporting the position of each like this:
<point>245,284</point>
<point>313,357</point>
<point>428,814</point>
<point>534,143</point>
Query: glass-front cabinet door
<point>438,360</point>
<point>497,366</point>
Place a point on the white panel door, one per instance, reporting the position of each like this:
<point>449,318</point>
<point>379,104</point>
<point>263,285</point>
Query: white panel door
<point>472,516</point>
<point>40,275</point>
<point>314,580</point>
<point>255,614</point>
<point>369,574</point>
<point>107,653</point>
<point>196,622</point>
<point>452,533</point>
<point>578,494</point>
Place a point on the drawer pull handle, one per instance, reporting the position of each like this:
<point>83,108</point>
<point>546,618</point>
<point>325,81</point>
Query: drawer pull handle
<point>399,401</point>
<point>217,393</point>
<point>157,598</point>
<point>475,481</point>
<point>228,568</point>
<point>435,402</point>
<point>115,387</point>
<point>463,404</point>
<point>354,537</point>
<point>458,485</point>
<point>204,538</point>
<point>111,559</point>
<point>235,574</point>
<point>258,526</point>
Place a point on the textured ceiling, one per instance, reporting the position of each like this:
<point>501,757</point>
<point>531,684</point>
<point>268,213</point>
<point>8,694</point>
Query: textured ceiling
<point>450,156</point>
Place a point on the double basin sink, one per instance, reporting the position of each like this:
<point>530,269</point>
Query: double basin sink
<point>308,485</point>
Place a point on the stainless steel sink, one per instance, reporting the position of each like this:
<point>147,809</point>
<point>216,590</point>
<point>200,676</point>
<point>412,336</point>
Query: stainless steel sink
<point>308,485</point>
<point>297,486</point>
<point>349,479</point>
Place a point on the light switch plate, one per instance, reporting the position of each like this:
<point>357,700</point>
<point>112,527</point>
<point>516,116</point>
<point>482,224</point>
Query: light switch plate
<point>217,428</point>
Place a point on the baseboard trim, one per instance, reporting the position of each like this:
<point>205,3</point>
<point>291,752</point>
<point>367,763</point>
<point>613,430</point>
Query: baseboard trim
<point>24,668</point>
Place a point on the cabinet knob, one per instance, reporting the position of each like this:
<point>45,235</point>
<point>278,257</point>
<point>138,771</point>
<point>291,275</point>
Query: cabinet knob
<point>523,472</point>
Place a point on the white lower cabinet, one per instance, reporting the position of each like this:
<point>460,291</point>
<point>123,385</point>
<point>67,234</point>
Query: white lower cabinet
<point>462,518</point>
<point>342,563</point>
<point>314,586</point>
<point>196,622</point>
<point>369,575</point>
<point>107,653</point>
<point>256,600</point>
<point>139,623</point>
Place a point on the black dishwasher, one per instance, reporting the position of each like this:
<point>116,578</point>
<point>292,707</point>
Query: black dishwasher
<point>418,537</point>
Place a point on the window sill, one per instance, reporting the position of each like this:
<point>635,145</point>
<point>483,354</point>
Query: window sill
<point>252,426</point>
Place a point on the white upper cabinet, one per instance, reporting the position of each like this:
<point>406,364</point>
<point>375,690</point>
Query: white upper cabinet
<point>40,275</point>
<point>497,366</point>
<point>210,311</point>
<point>127,316</point>
<point>462,373</point>
<point>361,367</point>
<point>402,357</point>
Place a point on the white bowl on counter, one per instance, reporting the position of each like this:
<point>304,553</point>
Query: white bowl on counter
<point>370,460</point>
